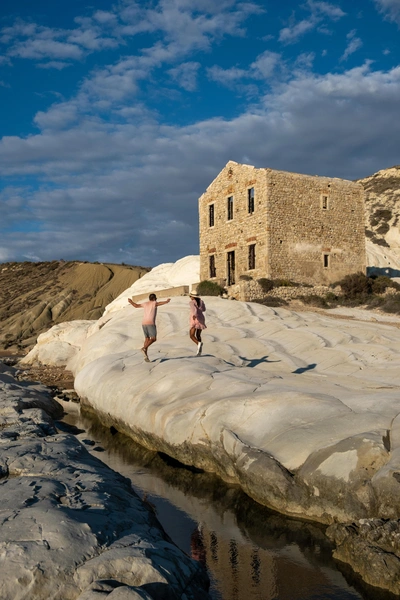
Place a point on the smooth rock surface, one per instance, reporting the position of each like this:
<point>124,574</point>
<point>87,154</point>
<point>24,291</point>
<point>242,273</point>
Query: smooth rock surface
<point>298,408</point>
<point>59,344</point>
<point>185,271</point>
<point>69,523</point>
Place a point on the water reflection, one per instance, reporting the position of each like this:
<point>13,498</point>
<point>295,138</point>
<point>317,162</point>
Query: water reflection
<point>250,552</point>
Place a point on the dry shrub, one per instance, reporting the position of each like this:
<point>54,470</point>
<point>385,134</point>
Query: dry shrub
<point>266,284</point>
<point>355,286</point>
<point>271,301</point>
<point>391,304</point>
<point>314,300</point>
<point>209,288</point>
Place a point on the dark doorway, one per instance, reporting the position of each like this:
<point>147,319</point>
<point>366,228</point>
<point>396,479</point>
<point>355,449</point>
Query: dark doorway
<point>231,268</point>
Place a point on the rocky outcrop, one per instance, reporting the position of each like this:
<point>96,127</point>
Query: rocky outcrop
<point>382,208</point>
<point>372,548</point>
<point>70,527</point>
<point>382,219</point>
<point>299,409</point>
<point>60,343</point>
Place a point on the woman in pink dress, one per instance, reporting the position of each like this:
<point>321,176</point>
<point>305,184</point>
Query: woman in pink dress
<point>197,320</point>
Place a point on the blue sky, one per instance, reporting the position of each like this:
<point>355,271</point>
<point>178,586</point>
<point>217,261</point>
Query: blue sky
<point>116,116</point>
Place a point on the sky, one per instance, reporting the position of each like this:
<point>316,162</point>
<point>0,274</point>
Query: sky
<point>117,115</point>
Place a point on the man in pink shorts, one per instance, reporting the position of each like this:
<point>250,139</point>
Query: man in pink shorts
<point>149,321</point>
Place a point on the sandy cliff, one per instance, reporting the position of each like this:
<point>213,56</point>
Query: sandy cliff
<point>35,296</point>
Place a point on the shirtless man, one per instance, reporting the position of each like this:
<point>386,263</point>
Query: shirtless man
<point>149,321</point>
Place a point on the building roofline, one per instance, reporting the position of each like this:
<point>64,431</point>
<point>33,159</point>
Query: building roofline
<point>232,163</point>
<point>270,170</point>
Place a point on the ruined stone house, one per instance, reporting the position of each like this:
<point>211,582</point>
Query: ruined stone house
<point>280,225</point>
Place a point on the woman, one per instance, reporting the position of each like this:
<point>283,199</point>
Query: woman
<point>197,320</point>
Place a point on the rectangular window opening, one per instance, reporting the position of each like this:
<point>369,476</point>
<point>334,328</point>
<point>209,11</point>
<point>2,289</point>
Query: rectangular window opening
<point>326,261</point>
<point>211,215</point>
<point>213,271</point>
<point>230,268</point>
<point>252,256</point>
<point>250,200</point>
<point>325,202</point>
<point>230,208</point>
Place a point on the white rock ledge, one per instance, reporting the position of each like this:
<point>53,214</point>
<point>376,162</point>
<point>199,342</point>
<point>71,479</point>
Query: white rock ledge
<point>70,526</point>
<point>300,409</point>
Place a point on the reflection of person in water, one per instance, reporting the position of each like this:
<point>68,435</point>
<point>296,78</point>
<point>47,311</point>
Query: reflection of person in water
<point>197,547</point>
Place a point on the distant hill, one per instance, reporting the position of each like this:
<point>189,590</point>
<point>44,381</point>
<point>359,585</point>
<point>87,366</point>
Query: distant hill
<point>35,296</point>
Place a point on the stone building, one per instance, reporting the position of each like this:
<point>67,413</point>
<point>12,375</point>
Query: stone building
<point>280,225</point>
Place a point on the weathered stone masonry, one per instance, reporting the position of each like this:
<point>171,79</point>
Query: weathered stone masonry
<point>276,224</point>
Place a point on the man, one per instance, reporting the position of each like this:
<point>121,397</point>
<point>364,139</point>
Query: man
<point>149,321</point>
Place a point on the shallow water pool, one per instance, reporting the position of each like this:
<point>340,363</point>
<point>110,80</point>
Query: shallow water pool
<point>250,552</point>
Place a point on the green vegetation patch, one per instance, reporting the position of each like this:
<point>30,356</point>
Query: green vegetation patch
<point>209,288</point>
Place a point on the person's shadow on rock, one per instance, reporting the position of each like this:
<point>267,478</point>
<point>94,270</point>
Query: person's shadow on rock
<point>301,370</point>
<point>254,362</point>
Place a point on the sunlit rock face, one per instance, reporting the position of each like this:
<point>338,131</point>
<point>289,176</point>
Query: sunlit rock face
<point>70,527</point>
<point>60,343</point>
<point>297,408</point>
<point>185,271</point>
<point>382,214</point>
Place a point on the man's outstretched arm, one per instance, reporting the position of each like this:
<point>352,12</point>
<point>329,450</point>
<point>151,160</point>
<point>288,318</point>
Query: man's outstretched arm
<point>164,302</point>
<point>134,304</point>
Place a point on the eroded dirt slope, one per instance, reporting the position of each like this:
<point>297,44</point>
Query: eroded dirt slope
<point>35,296</point>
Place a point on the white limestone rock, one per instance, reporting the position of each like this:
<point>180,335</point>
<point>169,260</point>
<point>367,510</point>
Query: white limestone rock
<point>57,345</point>
<point>295,407</point>
<point>382,260</point>
<point>185,271</point>
<point>298,408</point>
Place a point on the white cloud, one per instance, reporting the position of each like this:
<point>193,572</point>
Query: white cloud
<point>266,66</point>
<point>54,64</point>
<point>35,42</point>
<point>319,11</point>
<point>4,60</point>
<point>226,77</point>
<point>104,185</point>
<point>292,33</point>
<point>105,17</point>
<point>4,254</point>
<point>305,60</point>
<point>186,75</point>
<point>353,44</point>
<point>390,8</point>
<point>59,116</point>
<point>44,48</point>
<point>332,11</point>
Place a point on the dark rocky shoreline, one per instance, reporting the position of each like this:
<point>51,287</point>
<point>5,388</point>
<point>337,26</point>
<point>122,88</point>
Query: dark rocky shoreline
<point>71,527</point>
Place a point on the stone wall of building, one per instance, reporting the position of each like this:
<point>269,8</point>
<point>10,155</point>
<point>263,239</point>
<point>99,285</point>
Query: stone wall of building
<point>240,232</point>
<point>247,291</point>
<point>307,229</point>
<point>315,227</point>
